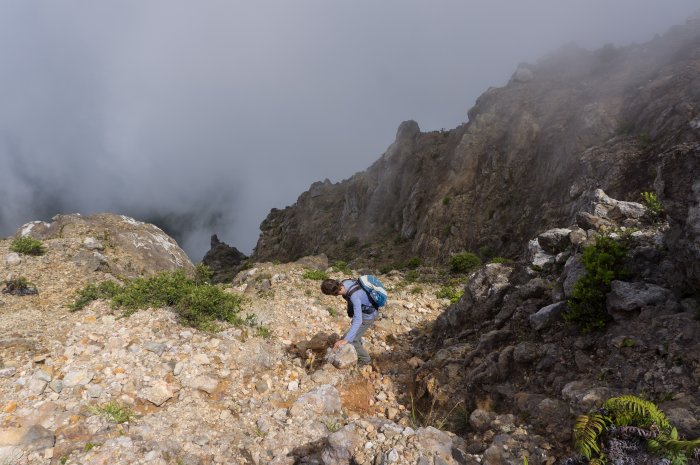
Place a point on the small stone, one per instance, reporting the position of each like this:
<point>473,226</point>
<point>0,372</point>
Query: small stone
<point>391,413</point>
<point>10,407</point>
<point>78,378</point>
<point>263,385</point>
<point>155,347</point>
<point>158,393</point>
<point>201,359</point>
<point>37,386</point>
<point>205,383</point>
<point>293,386</point>
<point>56,386</point>
<point>392,456</point>
<point>94,391</point>
<point>225,415</point>
<point>7,372</point>
<point>92,244</point>
<point>178,368</point>
<point>12,259</point>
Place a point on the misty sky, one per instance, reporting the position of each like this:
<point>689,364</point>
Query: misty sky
<point>206,114</point>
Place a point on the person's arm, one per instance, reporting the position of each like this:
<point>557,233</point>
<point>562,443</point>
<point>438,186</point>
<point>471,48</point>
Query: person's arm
<point>356,318</point>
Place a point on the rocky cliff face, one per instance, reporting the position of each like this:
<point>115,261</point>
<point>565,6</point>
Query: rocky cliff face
<point>530,157</point>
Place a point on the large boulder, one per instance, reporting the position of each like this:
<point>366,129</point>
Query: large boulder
<point>127,247</point>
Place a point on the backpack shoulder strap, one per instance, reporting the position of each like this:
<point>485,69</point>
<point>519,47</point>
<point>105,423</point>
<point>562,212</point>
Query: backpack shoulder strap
<point>354,288</point>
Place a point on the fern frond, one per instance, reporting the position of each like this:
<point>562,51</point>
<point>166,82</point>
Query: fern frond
<point>686,447</point>
<point>587,430</point>
<point>635,411</point>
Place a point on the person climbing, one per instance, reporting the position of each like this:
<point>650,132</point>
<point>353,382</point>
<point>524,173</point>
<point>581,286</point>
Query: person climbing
<point>359,307</point>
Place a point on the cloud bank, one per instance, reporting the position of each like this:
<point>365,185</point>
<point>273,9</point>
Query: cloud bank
<point>201,116</point>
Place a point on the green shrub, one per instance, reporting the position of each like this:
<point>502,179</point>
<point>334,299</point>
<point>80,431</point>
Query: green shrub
<point>652,205</point>
<point>446,200</point>
<point>449,292</point>
<point>500,260</point>
<point>316,275</point>
<point>202,274</point>
<point>341,266</point>
<point>103,290</point>
<point>411,276</point>
<point>417,290</point>
<point>203,304</point>
<point>27,246</point>
<point>161,290</point>
<point>464,262</point>
<point>486,252</point>
<point>603,262</point>
<point>413,263</point>
<point>197,304</point>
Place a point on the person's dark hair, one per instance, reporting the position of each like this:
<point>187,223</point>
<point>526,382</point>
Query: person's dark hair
<point>330,286</point>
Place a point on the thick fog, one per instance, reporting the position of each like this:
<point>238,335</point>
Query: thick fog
<point>202,116</point>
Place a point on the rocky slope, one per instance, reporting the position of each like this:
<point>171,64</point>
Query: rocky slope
<point>505,348</point>
<point>529,158</point>
<point>231,397</point>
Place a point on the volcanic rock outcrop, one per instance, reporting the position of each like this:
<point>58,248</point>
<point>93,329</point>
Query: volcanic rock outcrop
<point>530,157</point>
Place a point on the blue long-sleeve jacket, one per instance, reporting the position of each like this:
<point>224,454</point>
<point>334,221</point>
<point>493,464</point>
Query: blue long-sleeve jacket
<point>359,299</point>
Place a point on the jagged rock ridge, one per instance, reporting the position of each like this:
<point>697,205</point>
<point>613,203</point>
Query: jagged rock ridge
<point>530,157</point>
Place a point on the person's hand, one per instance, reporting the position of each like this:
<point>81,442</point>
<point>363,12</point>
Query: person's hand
<point>339,344</point>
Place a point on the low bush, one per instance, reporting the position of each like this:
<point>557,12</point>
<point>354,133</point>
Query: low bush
<point>652,205</point>
<point>603,262</point>
<point>500,260</point>
<point>197,304</point>
<point>449,292</point>
<point>413,263</point>
<point>464,262</point>
<point>341,266</point>
<point>27,246</point>
<point>316,275</point>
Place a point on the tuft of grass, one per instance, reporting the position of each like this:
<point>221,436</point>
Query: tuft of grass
<point>449,292</point>
<point>500,260</point>
<point>332,312</point>
<point>416,290</point>
<point>464,262</point>
<point>316,275</point>
<point>332,425</point>
<point>27,246</point>
<point>88,447</point>
<point>113,411</point>
<point>263,331</point>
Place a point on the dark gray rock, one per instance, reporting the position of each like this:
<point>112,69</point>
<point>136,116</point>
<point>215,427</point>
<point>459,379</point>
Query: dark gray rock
<point>546,315</point>
<point>554,241</point>
<point>625,297</point>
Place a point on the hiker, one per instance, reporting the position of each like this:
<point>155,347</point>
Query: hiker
<point>360,309</point>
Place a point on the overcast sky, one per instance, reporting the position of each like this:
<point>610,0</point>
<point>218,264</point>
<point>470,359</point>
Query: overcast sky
<point>210,113</point>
